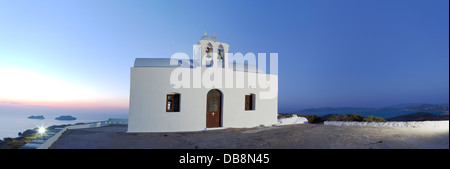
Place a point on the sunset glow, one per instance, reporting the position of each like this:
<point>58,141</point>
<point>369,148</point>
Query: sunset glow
<point>20,87</point>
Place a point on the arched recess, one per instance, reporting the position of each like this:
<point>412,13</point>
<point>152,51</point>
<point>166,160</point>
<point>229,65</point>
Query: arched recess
<point>209,53</point>
<point>221,56</point>
<point>214,108</point>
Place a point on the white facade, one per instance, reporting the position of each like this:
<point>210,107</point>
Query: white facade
<point>151,86</point>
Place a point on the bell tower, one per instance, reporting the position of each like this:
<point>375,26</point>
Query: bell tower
<point>209,53</point>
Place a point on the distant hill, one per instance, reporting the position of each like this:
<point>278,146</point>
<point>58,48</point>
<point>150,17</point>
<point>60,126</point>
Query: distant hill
<point>404,105</point>
<point>421,116</point>
<point>429,107</point>
<point>385,112</point>
<point>338,109</point>
<point>37,117</point>
<point>65,118</point>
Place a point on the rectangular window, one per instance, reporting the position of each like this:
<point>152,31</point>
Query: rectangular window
<point>173,103</point>
<point>250,102</point>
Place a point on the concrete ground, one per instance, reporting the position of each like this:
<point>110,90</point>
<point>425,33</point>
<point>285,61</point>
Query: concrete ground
<point>299,136</point>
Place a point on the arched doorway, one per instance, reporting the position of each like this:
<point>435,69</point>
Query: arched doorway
<point>214,108</point>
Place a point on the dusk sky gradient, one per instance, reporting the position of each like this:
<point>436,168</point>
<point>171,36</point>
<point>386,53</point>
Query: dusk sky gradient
<point>332,53</point>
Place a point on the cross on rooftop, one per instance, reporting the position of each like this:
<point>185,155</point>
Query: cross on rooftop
<point>214,37</point>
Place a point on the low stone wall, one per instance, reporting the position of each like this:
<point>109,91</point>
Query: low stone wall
<point>439,124</point>
<point>45,144</point>
<point>292,120</point>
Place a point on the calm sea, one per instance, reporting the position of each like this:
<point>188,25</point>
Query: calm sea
<point>13,123</point>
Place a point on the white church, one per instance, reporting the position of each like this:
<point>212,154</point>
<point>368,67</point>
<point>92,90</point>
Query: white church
<point>159,105</point>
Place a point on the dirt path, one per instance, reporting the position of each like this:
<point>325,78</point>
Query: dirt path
<point>301,136</point>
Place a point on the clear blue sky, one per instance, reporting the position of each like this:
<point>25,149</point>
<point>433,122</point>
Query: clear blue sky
<point>361,53</point>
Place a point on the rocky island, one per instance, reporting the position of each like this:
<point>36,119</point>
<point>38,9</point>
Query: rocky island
<point>65,118</point>
<point>36,117</point>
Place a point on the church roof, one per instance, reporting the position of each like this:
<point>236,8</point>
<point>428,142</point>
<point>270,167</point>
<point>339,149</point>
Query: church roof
<point>153,62</point>
<point>206,38</point>
<point>165,62</point>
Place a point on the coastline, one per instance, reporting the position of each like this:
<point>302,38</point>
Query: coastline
<point>26,136</point>
<point>33,139</point>
<point>13,123</point>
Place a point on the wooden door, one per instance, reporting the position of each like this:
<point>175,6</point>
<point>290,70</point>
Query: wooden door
<point>213,108</point>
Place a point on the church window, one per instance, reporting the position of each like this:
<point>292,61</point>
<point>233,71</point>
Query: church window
<point>173,103</point>
<point>250,102</point>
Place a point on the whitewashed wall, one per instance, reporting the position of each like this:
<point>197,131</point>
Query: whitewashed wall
<point>150,85</point>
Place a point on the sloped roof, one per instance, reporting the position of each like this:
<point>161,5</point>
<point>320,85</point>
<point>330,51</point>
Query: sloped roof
<point>165,62</point>
<point>206,38</point>
<point>153,62</point>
